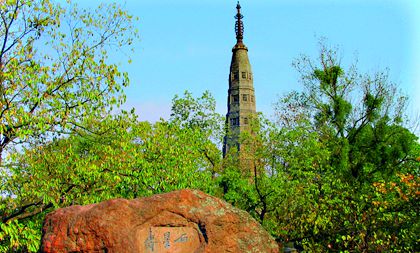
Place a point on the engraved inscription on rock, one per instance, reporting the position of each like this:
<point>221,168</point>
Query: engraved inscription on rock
<point>168,239</point>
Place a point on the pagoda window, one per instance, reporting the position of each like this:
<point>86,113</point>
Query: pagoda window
<point>245,97</point>
<point>235,98</point>
<point>236,76</point>
<point>246,121</point>
<point>234,121</point>
<point>243,75</point>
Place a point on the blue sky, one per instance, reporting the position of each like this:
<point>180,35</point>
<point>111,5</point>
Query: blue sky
<point>186,45</point>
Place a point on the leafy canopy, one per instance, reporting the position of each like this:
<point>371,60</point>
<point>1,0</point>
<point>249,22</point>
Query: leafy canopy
<point>54,67</point>
<point>55,76</point>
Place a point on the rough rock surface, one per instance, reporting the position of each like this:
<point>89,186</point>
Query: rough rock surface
<point>180,221</point>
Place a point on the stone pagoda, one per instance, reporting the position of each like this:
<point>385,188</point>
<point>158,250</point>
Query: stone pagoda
<point>241,94</point>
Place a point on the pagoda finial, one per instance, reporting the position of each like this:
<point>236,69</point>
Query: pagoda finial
<point>239,26</point>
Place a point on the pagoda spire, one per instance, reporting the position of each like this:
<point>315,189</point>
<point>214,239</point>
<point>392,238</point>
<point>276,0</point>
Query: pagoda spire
<point>239,26</point>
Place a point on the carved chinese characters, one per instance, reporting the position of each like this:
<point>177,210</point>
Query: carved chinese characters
<point>168,239</point>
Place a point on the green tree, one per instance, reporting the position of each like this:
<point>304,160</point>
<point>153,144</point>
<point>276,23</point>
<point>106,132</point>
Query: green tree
<point>54,75</point>
<point>200,114</point>
<point>360,116</point>
<point>358,120</point>
<point>54,67</point>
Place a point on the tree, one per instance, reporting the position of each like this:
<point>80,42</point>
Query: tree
<point>358,120</point>
<point>54,67</point>
<point>55,75</point>
<point>199,113</point>
<point>361,116</point>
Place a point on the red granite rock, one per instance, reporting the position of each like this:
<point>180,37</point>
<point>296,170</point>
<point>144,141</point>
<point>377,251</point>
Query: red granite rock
<point>181,221</point>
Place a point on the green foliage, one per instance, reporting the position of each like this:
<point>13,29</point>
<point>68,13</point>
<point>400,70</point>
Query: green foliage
<point>199,113</point>
<point>54,69</point>
<point>54,76</point>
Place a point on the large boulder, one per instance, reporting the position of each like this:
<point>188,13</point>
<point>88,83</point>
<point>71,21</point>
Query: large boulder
<point>180,221</point>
